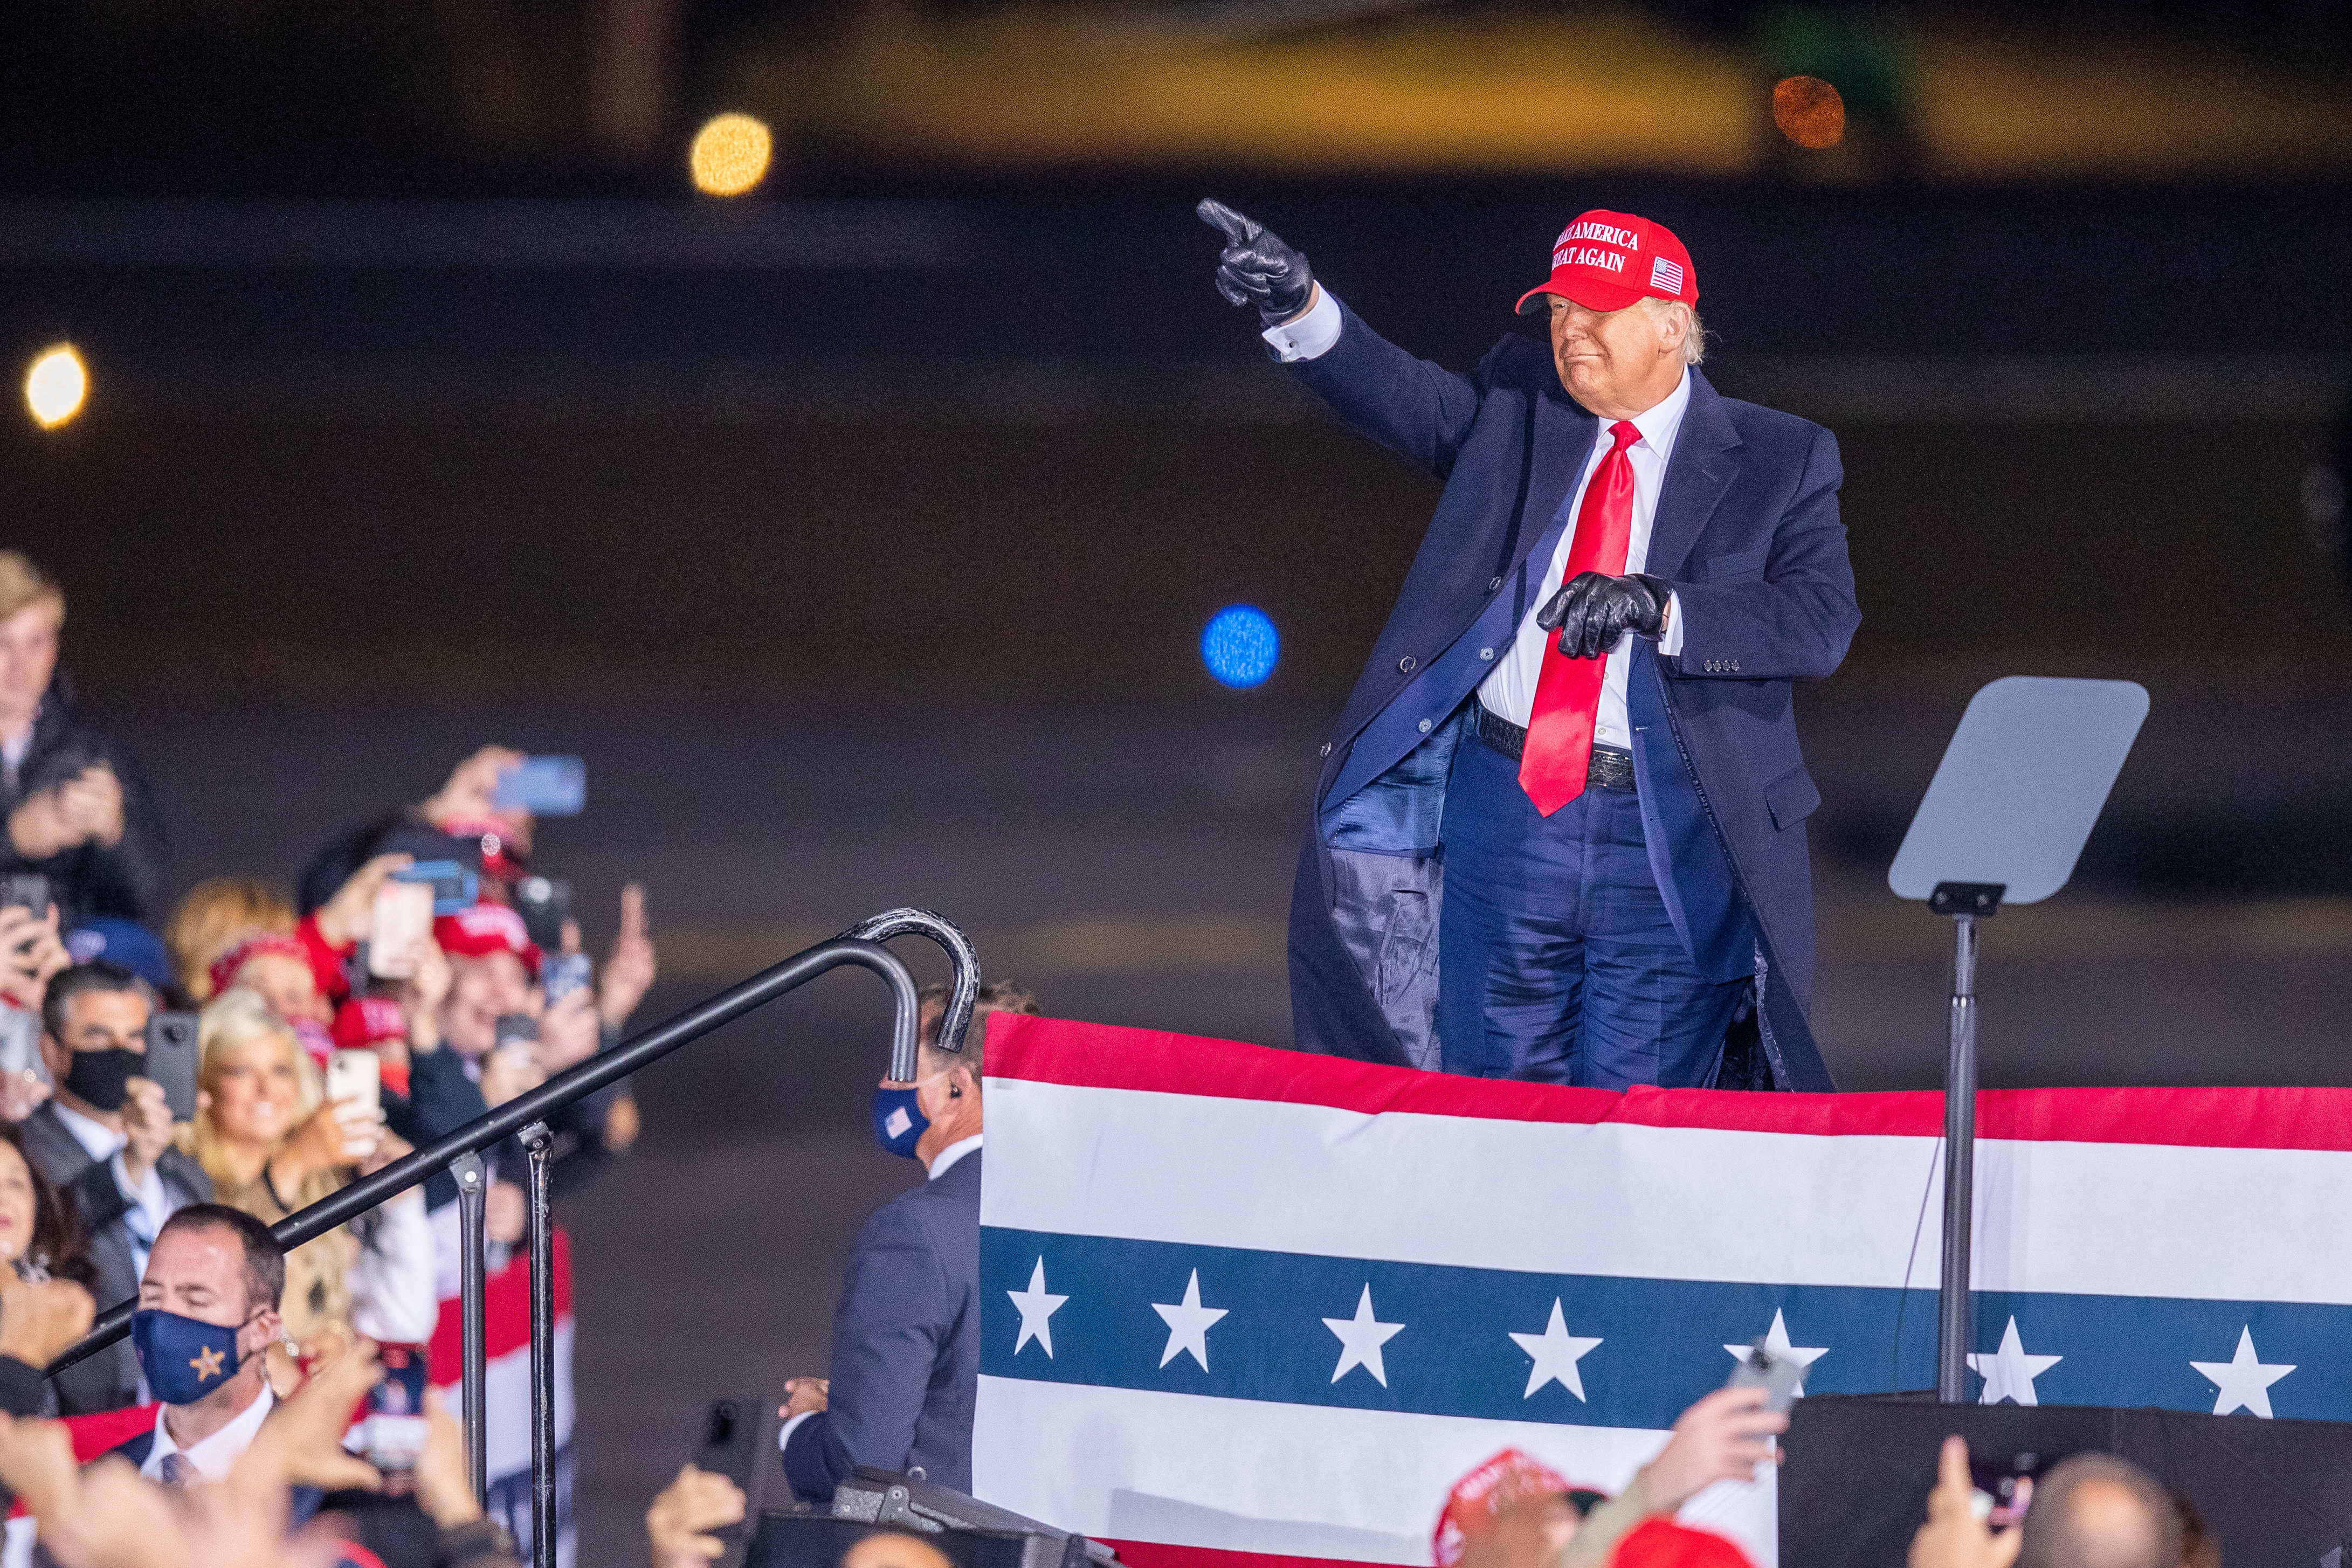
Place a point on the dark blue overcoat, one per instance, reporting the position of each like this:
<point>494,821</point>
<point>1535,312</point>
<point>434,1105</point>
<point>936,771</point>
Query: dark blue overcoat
<point>1747,531</point>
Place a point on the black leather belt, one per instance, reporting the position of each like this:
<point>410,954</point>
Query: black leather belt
<point>1611,769</point>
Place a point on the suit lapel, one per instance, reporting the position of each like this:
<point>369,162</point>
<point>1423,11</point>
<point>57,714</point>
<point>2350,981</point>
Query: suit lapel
<point>1700,471</point>
<point>1563,441</point>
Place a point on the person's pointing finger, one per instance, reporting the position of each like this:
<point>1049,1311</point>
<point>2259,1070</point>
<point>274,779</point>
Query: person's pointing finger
<point>1236,228</point>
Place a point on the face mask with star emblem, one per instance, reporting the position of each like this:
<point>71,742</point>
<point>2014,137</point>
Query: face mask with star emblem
<point>183,1358</point>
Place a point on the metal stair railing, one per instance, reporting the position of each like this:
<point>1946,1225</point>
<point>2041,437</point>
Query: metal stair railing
<point>459,1152</point>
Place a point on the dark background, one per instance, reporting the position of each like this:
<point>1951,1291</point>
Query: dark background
<point>860,532</point>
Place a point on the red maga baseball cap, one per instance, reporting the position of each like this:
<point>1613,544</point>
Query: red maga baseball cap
<point>1605,261</point>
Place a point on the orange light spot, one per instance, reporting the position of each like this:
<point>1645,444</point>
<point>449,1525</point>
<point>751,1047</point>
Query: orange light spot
<point>1809,112</point>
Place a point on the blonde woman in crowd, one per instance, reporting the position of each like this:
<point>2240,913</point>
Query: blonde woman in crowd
<point>273,1143</point>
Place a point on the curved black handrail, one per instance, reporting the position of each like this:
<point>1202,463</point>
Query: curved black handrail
<point>607,1067</point>
<point>963,990</point>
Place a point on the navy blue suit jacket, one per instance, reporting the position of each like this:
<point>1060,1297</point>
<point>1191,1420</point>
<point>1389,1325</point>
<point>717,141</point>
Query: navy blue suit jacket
<point>1747,531</point>
<point>906,1344</point>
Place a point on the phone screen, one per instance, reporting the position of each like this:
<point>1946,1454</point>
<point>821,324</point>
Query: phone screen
<point>544,786</point>
<point>355,1075</point>
<point>404,918</point>
<point>395,1426</point>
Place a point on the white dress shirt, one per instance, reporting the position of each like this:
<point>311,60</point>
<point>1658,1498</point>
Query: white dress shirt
<point>1510,691</point>
<point>151,1202</point>
<point>214,1455</point>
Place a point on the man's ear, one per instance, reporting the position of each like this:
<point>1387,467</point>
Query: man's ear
<point>55,1057</point>
<point>268,1327</point>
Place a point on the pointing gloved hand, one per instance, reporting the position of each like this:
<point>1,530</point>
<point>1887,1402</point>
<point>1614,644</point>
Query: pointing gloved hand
<point>1592,611</point>
<point>1256,268</point>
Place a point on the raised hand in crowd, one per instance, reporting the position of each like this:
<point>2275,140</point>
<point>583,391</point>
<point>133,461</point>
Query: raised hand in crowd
<point>1954,1537</point>
<point>39,1318</point>
<point>31,955</point>
<point>338,1135</point>
<point>84,809</point>
<point>350,913</point>
<point>471,789</point>
<point>684,1511</point>
<point>22,1093</point>
<point>1723,1438</point>
<point>444,1490</point>
<point>629,972</point>
<point>421,993</point>
<point>302,1441</point>
<point>569,1033</point>
<point>147,1123</point>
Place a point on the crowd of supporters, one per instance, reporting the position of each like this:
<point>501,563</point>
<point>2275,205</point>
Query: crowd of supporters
<point>222,1431</point>
<point>271,1001</point>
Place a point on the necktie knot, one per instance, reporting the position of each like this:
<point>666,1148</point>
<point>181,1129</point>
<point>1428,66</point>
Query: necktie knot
<point>1626,432</point>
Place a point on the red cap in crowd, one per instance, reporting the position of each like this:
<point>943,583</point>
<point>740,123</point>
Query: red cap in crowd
<point>484,929</point>
<point>1662,1543</point>
<point>1469,1510</point>
<point>1605,261</point>
<point>224,967</point>
<point>364,1020</point>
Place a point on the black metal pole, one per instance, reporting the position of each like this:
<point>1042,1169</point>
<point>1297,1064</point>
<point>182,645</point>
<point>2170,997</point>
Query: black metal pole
<point>473,1190</point>
<point>1954,1329</point>
<point>559,1092</point>
<point>535,1141</point>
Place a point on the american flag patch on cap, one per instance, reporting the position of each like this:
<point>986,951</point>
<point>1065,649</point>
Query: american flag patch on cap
<point>1666,274</point>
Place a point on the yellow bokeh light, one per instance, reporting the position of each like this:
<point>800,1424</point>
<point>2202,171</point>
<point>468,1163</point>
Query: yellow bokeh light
<point>56,385</point>
<point>729,155</point>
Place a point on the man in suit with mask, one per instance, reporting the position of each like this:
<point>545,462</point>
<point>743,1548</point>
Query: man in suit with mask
<point>905,1338</point>
<point>105,1137</point>
<point>1558,832</point>
<point>208,1312</point>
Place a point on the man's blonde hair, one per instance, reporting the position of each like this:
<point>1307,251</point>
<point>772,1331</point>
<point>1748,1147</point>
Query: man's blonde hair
<point>995,997</point>
<point>23,584</point>
<point>1693,338</point>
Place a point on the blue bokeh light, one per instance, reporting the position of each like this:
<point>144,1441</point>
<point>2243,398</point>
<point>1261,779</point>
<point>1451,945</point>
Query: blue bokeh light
<point>1240,646</point>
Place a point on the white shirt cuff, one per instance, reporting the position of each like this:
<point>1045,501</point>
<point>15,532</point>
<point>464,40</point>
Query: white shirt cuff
<point>784,1433</point>
<point>1309,337</point>
<point>1672,643</point>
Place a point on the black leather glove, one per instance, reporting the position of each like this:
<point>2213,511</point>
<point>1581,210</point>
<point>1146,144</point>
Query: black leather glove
<point>1592,611</point>
<point>1257,267</point>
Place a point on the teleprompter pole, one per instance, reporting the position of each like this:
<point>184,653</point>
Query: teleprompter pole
<point>1965,902</point>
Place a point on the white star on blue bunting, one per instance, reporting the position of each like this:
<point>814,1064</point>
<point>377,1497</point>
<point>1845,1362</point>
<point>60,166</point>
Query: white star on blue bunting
<point>1556,1351</point>
<point>1037,1310</point>
<point>2243,1381</point>
<point>1360,1338</point>
<point>1188,1324</point>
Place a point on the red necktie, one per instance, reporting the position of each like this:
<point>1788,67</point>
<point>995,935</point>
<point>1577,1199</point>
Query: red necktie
<point>1567,691</point>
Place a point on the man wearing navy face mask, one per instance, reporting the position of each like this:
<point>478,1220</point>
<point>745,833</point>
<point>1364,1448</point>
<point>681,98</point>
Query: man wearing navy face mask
<point>207,1311</point>
<point>906,1338</point>
<point>106,1139</point>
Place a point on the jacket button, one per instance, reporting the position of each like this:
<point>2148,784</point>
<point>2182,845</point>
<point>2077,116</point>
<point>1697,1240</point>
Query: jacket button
<point>1405,663</point>
<point>1327,748</point>
<point>1486,653</point>
<point>1424,727</point>
<point>1495,585</point>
